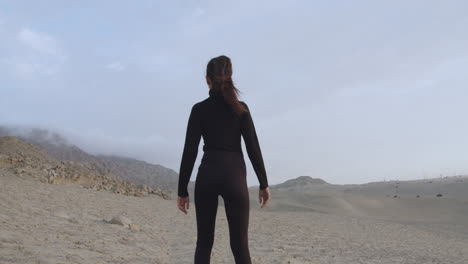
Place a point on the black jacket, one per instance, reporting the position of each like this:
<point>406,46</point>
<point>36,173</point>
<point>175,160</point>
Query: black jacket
<point>221,129</point>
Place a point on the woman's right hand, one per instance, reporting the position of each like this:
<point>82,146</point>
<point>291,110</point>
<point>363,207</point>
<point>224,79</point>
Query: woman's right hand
<point>183,203</point>
<point>264,194</point>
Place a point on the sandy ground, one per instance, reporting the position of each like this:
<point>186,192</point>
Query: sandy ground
<point>45,223</point>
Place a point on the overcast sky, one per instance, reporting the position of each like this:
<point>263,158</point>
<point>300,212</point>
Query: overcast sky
<point>347,91</point>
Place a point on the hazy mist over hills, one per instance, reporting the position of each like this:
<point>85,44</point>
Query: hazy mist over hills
<point>134,170</point>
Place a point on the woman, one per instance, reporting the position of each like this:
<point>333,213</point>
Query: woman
<point>221,119</point>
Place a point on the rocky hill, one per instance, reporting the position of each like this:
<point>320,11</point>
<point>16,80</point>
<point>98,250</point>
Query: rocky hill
<point>140,172</point>
<point>135,171</point>
<point>29,161</point>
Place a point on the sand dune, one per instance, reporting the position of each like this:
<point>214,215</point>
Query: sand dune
<point>378,201</point>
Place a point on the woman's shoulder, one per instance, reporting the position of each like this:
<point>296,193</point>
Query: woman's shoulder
<point>245,105</point>
<point>198,106</point>
<point>202,103</point>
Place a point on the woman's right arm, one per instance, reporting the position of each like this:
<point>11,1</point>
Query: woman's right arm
<point>190,151</point>
<point>253,147</point>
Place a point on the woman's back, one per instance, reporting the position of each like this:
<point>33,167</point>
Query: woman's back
<point>220,126</point>
<point>221,129</point>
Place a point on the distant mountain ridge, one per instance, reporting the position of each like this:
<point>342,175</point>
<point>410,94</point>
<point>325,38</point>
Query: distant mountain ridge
<point>140,172</point>
<point>133,170</point>
<point>29,161</point>
<point>300,181</point>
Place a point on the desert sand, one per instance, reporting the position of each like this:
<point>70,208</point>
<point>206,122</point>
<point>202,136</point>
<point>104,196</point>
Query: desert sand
<point>49,223</point>
<point>66,212</point>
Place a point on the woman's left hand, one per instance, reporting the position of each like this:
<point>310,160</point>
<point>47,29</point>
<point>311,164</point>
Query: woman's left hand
<point>182,203</point>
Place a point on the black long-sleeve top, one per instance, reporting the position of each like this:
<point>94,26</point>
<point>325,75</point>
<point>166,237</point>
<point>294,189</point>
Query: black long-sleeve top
<point>221,129</point>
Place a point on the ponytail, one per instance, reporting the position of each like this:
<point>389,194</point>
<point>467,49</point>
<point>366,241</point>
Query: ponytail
<point>219,70</point>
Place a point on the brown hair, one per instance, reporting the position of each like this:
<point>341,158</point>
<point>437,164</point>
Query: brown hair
<point>219,70</point>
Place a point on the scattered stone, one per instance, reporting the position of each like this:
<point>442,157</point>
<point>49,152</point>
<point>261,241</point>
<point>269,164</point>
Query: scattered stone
<point>120,220</point>
<point>75,177</point>
<point>134,227</point>
<point>75,221</point>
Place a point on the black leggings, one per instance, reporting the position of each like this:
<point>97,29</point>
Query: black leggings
<point>222,173</point>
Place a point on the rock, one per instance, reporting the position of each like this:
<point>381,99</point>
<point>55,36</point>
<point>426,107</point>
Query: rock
<point>75,177</point>
<point>157,191</point>
<point>120,220</point>
<point>165,196</point>
<point>4,158</point>
<point>51,179</point>
<point>134,227</point>
<point>75,221</point>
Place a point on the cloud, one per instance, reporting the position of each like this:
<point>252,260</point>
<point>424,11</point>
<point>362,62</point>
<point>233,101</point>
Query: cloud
<point>38,41</point>
<point>38,54</point>
<point>153,148</point>
<point>115,66</point>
